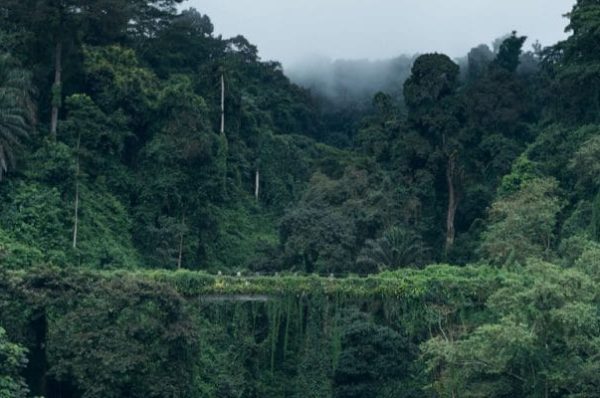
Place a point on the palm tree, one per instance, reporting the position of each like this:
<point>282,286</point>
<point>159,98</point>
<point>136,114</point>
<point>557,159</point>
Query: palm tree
<point>16,110</point>
<point>397,248</point>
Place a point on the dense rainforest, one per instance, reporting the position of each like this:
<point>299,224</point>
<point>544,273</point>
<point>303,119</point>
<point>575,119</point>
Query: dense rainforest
<point>178,219</point>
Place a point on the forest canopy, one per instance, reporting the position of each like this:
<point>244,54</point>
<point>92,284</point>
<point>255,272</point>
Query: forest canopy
<point>179,219</point>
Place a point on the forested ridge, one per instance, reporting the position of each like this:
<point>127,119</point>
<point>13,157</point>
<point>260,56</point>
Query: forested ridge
<point>179,219</point>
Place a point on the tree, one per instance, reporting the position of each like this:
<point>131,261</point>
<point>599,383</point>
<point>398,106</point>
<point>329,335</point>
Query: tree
<point>479,59</point>
<point>58,28</point>
<point>522,224</point>
<point>185,45</point>
<point>435,111</point>
<point>325,231</point>
<point>97,143</point>
<point>509,53</point>
<point>182,173</point>
<point>317,240</point>
<point>378,130</point>
<point>16,110</point>
<point>116,81</point>
<point>140,332</point>
<point>12,361</point>
<point>574,66</point>
<point>498,103</point>
<point>540,340</point>
<point>398,248</point>
<point>496,129</point>
<point>585,164</point>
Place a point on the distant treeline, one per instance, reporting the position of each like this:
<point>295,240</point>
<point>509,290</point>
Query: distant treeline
<point>138,149</point>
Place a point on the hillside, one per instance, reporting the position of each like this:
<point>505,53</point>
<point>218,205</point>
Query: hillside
<point>179,219</point>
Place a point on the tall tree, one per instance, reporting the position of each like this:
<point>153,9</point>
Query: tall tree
<point>181,175</point>
<point>58,28</point>
<point>574,66</point>
<point>434,111</point>
<point>185,45</point>
<point>509,52</point>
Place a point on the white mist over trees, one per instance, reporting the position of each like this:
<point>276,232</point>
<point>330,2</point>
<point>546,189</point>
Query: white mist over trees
<point>352,83</point>
<point>347,82</point>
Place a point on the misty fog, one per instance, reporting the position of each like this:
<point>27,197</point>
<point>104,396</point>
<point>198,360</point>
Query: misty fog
<point>347,82</point>
<point>346,50</point>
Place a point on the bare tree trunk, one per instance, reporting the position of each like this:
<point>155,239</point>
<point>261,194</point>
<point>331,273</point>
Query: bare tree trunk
<point>224,153</point>
<point>180,257</point>
<point>76,215</point>
<point>452,201</point>
<point>257,184</point>
<point>222,104</point>
<point>56,88</point>
<point>76,220</point>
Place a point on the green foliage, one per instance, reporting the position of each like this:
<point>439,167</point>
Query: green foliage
<point>543,341</point>
<point>16,110</point>
<point>284,162</point>
<point>117,81</point>
<point>584,164</point>
<point>201,335</point>
<point>434,76</point>
<point>429,96</point>
<point>16,255</point>
<point>104,231</point>
<point>33,215</point>
<point>183,45</point>
<point>101,137</point>
<point>372,357</point>
<point>589,261</point>
<point>159,188</point>
<point>397,248</point>
<point>479,59</point>
<point>522,224</point>
<point>141,334</point>
<point>554,150</point>
<point>181,174</point>
<point>333,218</point>
<point>575,66</point>
<point>12,361</point>
<point>595,222</point>
<point>509,52</point>
<point>523,171</point>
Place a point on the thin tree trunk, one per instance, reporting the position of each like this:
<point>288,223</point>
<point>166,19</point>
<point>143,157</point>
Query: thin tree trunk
<point>76,221</point>
<point>56,88</point>
<point>452,201</point>
<point>76,215</point>
<point>257,184</point>
<point>222,104</point>
<point>180,257</point>
<point>224,137</point>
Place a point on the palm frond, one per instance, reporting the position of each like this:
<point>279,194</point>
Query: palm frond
<point>17,111</point>
<point>397,248</point>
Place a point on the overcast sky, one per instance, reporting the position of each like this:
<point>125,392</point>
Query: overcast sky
<point>291,30</point>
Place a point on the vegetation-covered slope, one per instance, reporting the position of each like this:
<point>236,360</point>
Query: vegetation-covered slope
<point>144,162</point>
